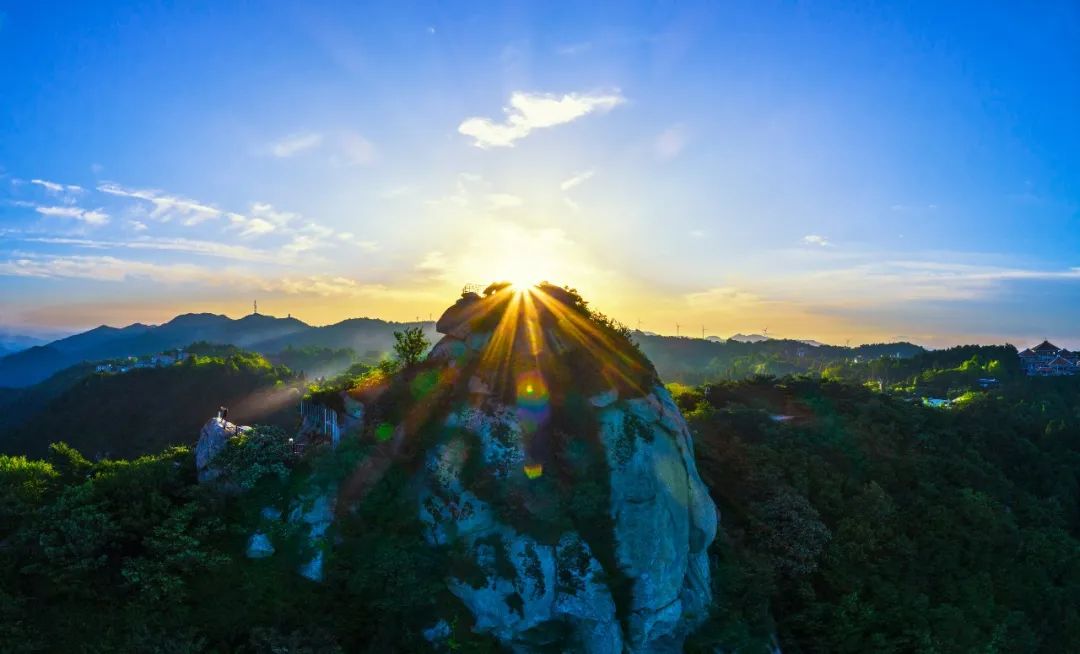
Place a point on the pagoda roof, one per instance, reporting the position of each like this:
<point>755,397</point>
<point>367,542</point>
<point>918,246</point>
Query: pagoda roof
<point>1046,346</point>
<point>1027,353</point>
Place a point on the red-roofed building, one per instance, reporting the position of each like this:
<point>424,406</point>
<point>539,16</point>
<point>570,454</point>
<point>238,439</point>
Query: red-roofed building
<point>1047,359</point>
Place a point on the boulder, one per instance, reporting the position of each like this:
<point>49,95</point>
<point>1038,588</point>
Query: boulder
<point>314,512</point>
<point>213,437</point>
<point>533,577</point>
<point>259,546</point>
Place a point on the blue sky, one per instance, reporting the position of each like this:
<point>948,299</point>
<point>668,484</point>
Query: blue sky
<point>828,170</point>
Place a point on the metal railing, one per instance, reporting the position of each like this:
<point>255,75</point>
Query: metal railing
<point>321,419</point>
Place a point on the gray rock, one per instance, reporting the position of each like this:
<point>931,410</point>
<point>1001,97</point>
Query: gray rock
<point>313,569</point>
<point>315,511</point>
<point>663,517</point>
<point>438,632</point>
<point>213,437</point>
<point>259,546</point>
<point>604,399</point>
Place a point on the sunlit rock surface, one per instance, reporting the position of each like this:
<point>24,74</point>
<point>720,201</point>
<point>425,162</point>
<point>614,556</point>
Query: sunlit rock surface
<point>212,439</point>
<point>563,475</point>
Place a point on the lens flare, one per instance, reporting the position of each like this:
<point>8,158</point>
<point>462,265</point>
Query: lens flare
<point>532,392</point>
<point>533,470</point>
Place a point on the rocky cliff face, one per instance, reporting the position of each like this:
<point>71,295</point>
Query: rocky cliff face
<point>550,466</point>
<point>562,475</point>
<point>213,437</point>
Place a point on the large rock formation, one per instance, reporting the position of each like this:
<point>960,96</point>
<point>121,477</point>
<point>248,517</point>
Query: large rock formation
<point>562,475</point>
<point>213,437</point>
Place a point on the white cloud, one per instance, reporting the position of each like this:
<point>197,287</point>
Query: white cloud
<point>670,142</point>
<point>138,225</point>
<point>252,226</point>
<point>166,207</point>
<point>101,268</point>
<point>294,144</point>
<point>114,269</point>
<point>89,216</point>
<point>205,248</point>
<point>64,212</point>
<point>577,180</point>
<point>95,217</point>
<point>723,296</point>
<point>56,187</point>
<point>350,238</point>
<point>816,239</point>
<point>434,262</point>
<point>475,194</point>
<point>530,111</point>
<point>268,212</point>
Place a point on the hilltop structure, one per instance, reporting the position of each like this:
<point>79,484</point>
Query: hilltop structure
<point>1049,360</point>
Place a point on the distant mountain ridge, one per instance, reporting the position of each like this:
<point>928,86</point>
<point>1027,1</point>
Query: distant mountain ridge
<point>678,359</point>
<point>257,332</point>
<point>11,342</point>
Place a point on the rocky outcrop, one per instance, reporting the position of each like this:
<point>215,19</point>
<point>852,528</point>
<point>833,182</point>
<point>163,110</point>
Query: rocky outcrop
<point>577,510</point>
<point>213,437</point>
<point>259,546</point>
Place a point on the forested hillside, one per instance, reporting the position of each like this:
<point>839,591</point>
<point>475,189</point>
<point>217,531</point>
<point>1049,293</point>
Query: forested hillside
<point>142,411</point>
<point>861,522</point>
<point>696,361</point>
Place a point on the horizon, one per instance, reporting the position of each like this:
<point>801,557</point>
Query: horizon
<point>872,174</point>
<point>52,336</point>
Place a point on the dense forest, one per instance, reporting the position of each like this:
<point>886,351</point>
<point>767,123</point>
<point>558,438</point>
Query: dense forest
<point>853,520</point>
<point>866,522</point>
<point>145,410</point>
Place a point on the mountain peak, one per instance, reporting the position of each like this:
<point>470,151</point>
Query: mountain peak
<point>546,331</point>
<point>547,438</point>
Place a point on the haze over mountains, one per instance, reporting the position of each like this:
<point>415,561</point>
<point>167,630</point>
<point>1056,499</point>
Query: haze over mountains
<point>256,332</point>
<point>677,358</point>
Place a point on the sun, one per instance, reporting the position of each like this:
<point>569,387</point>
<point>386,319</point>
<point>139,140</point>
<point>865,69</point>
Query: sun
<point>520,275</point>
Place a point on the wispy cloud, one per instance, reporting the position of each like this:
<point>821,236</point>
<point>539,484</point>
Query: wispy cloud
<point>101,268</point>
<point>475,193</point>
<point>57,187</point>
<point>165,206</point>
<point>294,144</point>
<point>94,217</point>
<point>531,111</point>
<point>191,246</point>
<point>250,226</point>
<point>816,239</point>
<point>115,269</point>
<point>577,180</point>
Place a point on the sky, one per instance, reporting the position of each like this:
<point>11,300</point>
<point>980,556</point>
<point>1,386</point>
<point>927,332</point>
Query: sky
<point>835,171</point>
